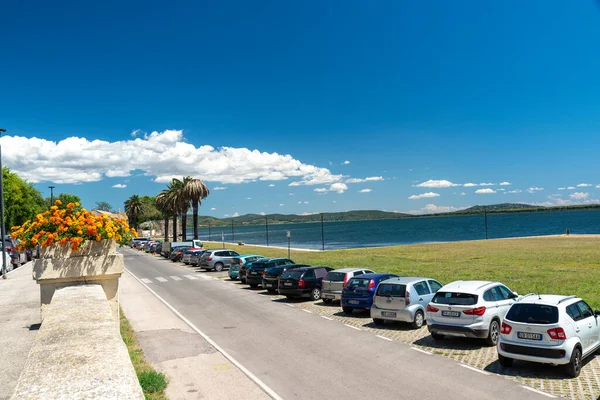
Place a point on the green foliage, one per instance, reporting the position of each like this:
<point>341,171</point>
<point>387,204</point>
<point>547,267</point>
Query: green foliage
<point>152,381</point>
<point>65,199</point>
<point>21,200</point>
<point>150,212</point>
<point>103,206</point>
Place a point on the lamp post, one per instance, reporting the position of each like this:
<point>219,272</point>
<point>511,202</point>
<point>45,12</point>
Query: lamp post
<point>2,227</point>
<point>486,224</point>
<point>322,234</point>
<point>51,195</point>
<point>289,238</point>
<point>267,229</point>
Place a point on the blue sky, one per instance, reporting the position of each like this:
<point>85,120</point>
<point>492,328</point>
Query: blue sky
<point>407,92</point>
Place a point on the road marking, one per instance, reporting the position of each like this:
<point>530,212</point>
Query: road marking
<point>384,338</point>
<point>330,319</point>
<point>205,277</point>
<point>310,312</point>
<point>289,305</point>
<point>235,362</point>
<point>474,369</point>
<point>353,327</point>
<point>146,280</point>
<point>160,279</point>
<point>175,278</point>
<point>538,391</point>
<point>190,277</point>
<point>423,351</point>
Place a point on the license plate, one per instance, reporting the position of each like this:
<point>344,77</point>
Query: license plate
<point>252,273</point>
<point>453,314</point>
<point>529,336</point>
<point>328,296</point>
<point>353,301</point>
<point>269,285</point>
<point>287,284</point>
<point>388,314</point>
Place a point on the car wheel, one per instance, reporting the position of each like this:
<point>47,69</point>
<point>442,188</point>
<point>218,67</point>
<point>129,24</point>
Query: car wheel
<point>233,278</point>
<point>437,336</point>
<point>327,301</point>
<point>290,297</point>
<point>347,310</point>
<point>219,267</point>
<point>315,294</point>
<point>574,367</point>
<point>253,285</point>
<point>378,321</point>
<point>494,333</point>
<point>272,290</point>
<point>505,361</point>
<point>419,320</point>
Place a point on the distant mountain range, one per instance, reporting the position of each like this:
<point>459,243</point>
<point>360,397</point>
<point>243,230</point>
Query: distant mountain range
<point>363,215</point>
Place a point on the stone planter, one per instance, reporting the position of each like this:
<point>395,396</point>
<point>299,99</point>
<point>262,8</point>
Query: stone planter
<point>95,263</point>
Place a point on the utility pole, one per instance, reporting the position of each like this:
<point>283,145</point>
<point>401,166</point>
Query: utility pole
<point>51,195</point>
<point>289,237</point>
<point>209,237</point>
<point>486,224</point>
<point>322,234</point>
<point>232,232</point>
<point>2,228</point>
<point>267,229</point>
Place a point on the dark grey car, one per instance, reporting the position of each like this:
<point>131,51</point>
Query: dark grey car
<point>217,259</point>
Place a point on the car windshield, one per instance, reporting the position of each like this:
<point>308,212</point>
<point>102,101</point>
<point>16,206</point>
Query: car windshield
<point>292,274</point>
<point>455,299</point>
<point>393,290</point>
<point>533,313</point>
<point>358,283</point>
<point>335,276</point>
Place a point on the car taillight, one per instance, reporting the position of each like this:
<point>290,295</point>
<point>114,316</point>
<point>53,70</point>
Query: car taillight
<point>346,279</point>
<point>479,311</point>
<point>263,273</point>
<point>406,298</point>
<point>431,308</point>
<point>10,249</point>
<point>301,283</point>
<point>209,259</point>
<point>372,284</point>
<point>557,333</point>
<point>506,328</point>
<point>240,262</point>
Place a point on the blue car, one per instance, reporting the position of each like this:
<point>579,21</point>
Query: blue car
<point>359,291</point>
<point>239,264</point>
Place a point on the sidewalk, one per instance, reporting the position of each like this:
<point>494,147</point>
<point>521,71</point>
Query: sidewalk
<point>195,369</point>
<point>19,319</point>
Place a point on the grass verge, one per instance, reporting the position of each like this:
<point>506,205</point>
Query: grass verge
<point>153,383</point>
<point>550,265</point>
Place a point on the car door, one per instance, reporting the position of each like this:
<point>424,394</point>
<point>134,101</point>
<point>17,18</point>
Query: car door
<point>588,325</point>
<point>319,275</point>
<point>507,299</point>
<point>424,294</point>
<point>309,279</point>
<point>434,286</point>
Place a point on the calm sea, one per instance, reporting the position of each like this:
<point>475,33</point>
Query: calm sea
<point>342,235</point>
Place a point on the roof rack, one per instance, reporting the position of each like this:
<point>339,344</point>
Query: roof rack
<point>485,284</point>
<point>566,298</point>
<point>530,294</point>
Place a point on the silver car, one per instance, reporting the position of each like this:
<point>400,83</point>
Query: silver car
<point>217,259</point>
<point>334,282</point>
<point>403,299</point>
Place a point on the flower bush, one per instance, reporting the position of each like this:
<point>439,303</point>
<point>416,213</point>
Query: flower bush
<point>72,225</point>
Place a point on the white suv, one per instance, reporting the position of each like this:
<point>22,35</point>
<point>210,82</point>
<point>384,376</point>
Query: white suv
<point>472,309</point>
<point>549,329</point>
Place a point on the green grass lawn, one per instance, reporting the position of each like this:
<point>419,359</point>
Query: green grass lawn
<point>556,265</point>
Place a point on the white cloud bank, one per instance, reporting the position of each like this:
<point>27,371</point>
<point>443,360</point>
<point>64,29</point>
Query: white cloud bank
<point>437,184</point>
<point>162,155</point>
<point>367,179</point>
<point>584,185</point>
<point>423,196</point>
<point>485,191</point>
<point>534,189</point>
<point>120,186</point>
<point>365,191</point>
<point>579,196</point>
<point>338,187</point>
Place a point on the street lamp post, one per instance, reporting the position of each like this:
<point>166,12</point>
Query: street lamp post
<point>486,224</point>
<point>2,227</point>
<point>51,195</point>
<point>267,229</point>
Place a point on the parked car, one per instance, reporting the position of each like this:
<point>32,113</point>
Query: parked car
<point>217,259</point>
<point>359,291</point>
<point>187,255</point>
<point>136,241</point>
<point>549,329</point>
<point>244,267</point>
<point>155,248</point>
<point>195,258</point>
<point>472,309</point>
<point>302,282</point>
<point>17,257</point>
<point>403,299</point>
<point>177,253</point>
<point>335,280</point>
<point>256,271</point>
<point>270,279</point>
<point>237,262</point>
<point>148,245</point>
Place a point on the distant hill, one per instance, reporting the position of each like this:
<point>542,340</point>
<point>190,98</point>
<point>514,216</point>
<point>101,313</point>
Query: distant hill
<point>494,208</point>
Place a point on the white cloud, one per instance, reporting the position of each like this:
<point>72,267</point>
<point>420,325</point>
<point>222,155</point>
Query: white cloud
<point>423,196</point>
<point>584,185</point>
<point>571,188</point>
<point>501,189</point>
<point>299,202</point>
<point>219,188</point>
<point>120,186</point>
<point>561,188</point>
<point>364,191</point>
<point>469,184</point>
<point>367,179</point>
<point>306,202</point>
<point>291,194</point>
<point>504,183</point>
<point>487,184</point>
<point>262,213</point>
<point>235,215</point>
<point>374,178</point>
<point>432,209</point>
<point>213,209</point>
<point>321,190</point>
<point>248,198</point>
<point>135,132</point>
<point>338,187</point>
<point>161,155</point>
<point>437,184</point>
<point>272,185</point>
<point>534,189</point>
<point>514,191</point>
<point>597,186</point>
<point>579,196</point>
<point>281,205</point>
<point>463,194</point>
<point>485,191</point>
<point>346,162</point>
<point>334,201</point>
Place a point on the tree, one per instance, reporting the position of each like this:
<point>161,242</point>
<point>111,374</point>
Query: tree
<point>103,206</point>
<point>65,198</point>
<point>134,208</point>
<point>194,191</point>
<point>21,200</point>
<point>162,203</point>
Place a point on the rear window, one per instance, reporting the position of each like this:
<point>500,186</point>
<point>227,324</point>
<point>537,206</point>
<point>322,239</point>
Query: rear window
<point>533,314</point>
<point>293,274</point>
<point>455,299</point>
<point>387,289</point>
<point>335,276</point>
<point>358,283</point>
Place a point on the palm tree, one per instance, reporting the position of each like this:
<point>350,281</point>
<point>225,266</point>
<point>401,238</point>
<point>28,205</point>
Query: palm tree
<point>194,191</point>
<point>173,201</point>
<point>162,203</point>
<point>134,208</point>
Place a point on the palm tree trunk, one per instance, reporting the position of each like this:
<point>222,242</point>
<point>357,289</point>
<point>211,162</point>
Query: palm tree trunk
<point>195,211</point>
<point>175,227</point>
<point>166,228</point>
<point>183,226</point>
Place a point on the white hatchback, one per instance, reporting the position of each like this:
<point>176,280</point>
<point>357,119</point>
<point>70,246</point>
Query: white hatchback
<point>549,329</point>
<point>472,309</point>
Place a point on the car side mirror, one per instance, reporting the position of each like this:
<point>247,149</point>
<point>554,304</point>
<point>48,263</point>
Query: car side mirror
<point>597,313</point>
<point>515,295</point>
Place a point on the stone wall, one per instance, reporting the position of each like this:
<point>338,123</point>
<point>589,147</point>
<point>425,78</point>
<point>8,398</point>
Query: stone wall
<point>78,352</point>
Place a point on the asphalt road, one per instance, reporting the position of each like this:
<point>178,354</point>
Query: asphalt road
<point>305,356</point>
